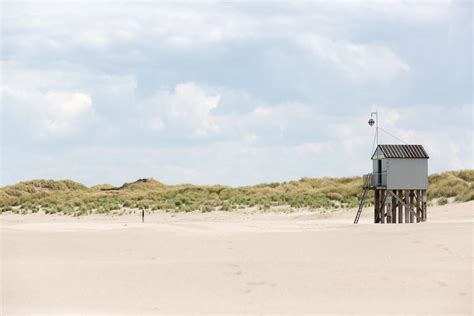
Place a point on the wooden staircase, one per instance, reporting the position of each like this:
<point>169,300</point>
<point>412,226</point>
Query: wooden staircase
<point>365,191</point>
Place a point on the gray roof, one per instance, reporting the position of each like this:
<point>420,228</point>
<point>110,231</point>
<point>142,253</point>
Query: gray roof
<point>402,151</point>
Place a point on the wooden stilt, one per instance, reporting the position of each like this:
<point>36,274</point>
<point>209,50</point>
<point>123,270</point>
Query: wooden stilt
<point>400,207</point>
<point>424,198</point>
<point>412,211</point>
<point>394,209</point>
<point>415,203</point>
<point>418,205</point>
<point>388,209</point>
<point>407,211</point>
<point>382,206</point>
<point>376,206</point>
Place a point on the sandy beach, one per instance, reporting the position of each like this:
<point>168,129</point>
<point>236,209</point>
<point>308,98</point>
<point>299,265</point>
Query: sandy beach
<point>237,263</point>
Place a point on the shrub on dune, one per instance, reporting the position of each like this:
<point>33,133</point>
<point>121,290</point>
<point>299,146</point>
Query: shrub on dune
<point>69,197</point>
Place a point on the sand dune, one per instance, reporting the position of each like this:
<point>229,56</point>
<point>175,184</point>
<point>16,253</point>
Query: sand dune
<point>240,262</point>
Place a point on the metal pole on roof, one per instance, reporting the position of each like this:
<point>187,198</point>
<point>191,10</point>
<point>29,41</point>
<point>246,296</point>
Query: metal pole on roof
<point>377,126</point>
<point>371,122</point>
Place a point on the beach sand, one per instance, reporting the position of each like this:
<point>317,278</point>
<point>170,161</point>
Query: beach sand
<point>242,262</point>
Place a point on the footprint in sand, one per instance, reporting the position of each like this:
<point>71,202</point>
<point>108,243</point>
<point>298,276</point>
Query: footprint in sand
<point>235,267</point>
<point>441,283</point>
<point>445,248</point>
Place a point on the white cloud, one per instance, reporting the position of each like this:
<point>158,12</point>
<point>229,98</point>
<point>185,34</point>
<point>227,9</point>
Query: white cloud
<point>156,124</point>
<point>187,26</point>
<point>279,115</point>
<point>51,113</point>
<point>101,38</point>
<point>357,61</point>
<point>189,110</point>
<point>308,149</point>
<point>248,153</point>
<point>63,111</point>
<point>389,117</point>
<point>264,112</point>
<point>46,104</point>
<point>418,11</point>
<point>96,68</point>
<point>188,107</point>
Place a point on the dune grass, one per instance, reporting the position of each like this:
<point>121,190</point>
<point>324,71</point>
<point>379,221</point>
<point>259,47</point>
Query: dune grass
<point>69,197</point>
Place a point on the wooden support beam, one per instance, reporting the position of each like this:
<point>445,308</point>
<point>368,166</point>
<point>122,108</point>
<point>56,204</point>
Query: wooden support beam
<point>415,204</point>
<point>384,211</point>
<point>400,207</point>
<point>406,205</point>
<point>412,198</point>
<point>394,208</point>
<point>418,206</point>
<point>376,206</point>
<point>379,208</point>
<point>424,198</point>
<point>407,211</point>
<point>388,209</point>
<point>382,206</point>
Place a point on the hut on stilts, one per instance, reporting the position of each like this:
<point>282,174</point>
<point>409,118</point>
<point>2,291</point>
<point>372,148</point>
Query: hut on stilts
<point>399,179</point>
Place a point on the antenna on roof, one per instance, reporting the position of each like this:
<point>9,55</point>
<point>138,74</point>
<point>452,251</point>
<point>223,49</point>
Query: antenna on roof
<point>376,122</point>
<point>377,128</point>
<point>371,123</point>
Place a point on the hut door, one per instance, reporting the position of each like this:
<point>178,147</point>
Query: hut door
<point>379,171</point>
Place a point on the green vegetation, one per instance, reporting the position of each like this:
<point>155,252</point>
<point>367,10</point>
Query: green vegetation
<point>69,197</point>
<point>457,184</point>
<point>443,201</point>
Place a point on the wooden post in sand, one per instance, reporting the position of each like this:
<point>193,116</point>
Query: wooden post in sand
<point>143,215</point>
<point>382,206</point>
<point>388,208</point>
<point>424,198</point>
<point>376,206</point>
<point>400,207</point>
<point>394,208</point>
<point>419,204</point>
<point>407,211</point>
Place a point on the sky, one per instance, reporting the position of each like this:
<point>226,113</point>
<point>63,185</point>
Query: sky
<point>231,93</point>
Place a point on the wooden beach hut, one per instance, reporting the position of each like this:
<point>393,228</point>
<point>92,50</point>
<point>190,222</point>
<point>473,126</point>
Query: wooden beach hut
<point>399,179</point>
